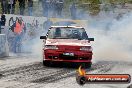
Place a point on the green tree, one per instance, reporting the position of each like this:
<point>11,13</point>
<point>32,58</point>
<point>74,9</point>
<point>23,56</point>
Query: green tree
<point>92,6</point>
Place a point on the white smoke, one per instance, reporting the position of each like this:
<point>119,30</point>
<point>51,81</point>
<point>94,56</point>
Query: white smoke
<point>114,43</point>
<point>33,47</point>
<point>112,39</point>
<point>37,47</point>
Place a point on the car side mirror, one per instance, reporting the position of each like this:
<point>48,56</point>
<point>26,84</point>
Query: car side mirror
<point>42,37</point>
<point>91,39</point>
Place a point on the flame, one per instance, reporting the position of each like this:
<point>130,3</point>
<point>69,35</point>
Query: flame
<point>81,71</point>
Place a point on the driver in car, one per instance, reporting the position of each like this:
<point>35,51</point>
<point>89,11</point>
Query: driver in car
<point>57,33</point>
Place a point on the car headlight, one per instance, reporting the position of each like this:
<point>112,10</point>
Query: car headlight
<point>50,47</point>
<point>86,48</point>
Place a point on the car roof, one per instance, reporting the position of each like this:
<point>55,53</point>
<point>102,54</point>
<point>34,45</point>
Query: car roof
<point>66,27</point>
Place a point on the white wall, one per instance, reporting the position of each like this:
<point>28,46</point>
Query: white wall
<point>4,49</point>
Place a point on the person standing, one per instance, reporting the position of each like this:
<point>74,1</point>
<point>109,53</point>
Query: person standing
<point>30,7</point>
<point>3,20</point>
<point>21,6</point>
<point>52,7</point>
<point>73,11</point>
<point>45,7</point>
<point>0,26</point>
<point>59,6</point>
<point>4,4</point>
<point>11,6</point>
<point>18,31</point>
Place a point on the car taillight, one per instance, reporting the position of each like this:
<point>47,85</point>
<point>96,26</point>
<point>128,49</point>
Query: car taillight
<point>51,47</point>
<point>86,48</point>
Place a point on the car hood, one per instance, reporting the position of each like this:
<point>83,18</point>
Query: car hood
<point>71,42</point>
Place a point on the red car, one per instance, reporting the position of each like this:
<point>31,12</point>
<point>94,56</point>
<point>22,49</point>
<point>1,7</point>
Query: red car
<point>67,44</point>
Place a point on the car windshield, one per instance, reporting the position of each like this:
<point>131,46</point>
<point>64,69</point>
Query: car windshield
<point>67,33</point>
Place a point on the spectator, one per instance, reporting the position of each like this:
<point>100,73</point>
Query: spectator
<point>4,4</point>
<point>22,6</point>
<point>45,6</point>
<point>52,10</point>
<point>18,31</point>
<point>30,7</point>
<point>3,20</point>
<point>11,6</point>
<point>73,11</point>
<point>59,6</point>
<point>22,24</point>
<point>0,27</point>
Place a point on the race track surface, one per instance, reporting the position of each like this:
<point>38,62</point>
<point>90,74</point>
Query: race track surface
<point>29,72</point>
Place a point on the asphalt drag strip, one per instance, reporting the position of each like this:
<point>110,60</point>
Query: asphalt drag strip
<point>34,74</point>
<point>37,73</point>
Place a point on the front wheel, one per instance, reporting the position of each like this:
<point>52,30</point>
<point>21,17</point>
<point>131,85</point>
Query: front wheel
<point>86,65</point>
<point>47,63</point>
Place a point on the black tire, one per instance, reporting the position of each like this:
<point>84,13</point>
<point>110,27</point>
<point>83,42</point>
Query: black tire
<point>47,63</point>
<point>86,65</point>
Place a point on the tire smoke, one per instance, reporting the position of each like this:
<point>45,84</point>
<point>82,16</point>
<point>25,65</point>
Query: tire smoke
<point>112,40</point>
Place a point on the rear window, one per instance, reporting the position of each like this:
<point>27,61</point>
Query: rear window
<point>67,33</point>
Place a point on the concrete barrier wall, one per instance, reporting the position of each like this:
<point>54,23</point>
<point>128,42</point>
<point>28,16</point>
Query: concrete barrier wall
<point>35,26</point>
<point>4,48</point>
